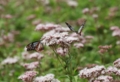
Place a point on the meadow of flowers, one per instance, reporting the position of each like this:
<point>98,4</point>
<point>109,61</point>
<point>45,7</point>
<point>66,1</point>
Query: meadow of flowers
<point>59,41</point>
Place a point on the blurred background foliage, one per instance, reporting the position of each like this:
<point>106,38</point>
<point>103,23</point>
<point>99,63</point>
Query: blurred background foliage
<point>20,17</point>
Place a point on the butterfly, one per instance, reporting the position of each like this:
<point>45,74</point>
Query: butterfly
<point>79,30</point>
<point>37,46</point>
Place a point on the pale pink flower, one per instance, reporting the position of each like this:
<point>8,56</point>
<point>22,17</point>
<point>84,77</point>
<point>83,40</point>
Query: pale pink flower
<point>118,42</point>
<point>46,27</point>
<point>8,16</point>
<point>25,54</point>
<point>95,16</point>
<point>70,39</point>
<point>114,28</point>
<point>89,37</point>
<point>28,76</point>
<point>10,60</point>
<point>36,55</point>
<point>91,72</point>
<point>79,45</point>
<point>46,78</point>
<point>116,33</point>
<point>103,78</point>
<point>30,17</point>
<point>72,3</point>
<point>62,29</point>
<point>62,51</point>
<point>50,26</point>
<point>40,27</point>
<point>111,70</point>
<point>9,37</point>
<point>113,9</point>
<point>36,22</point>
<point>117,63</point>
<point>102,51</point>
<point>118,72</point>
<point>53,38</point>
<point>31,66</point>
<point>105,47</point>
<point>85,11</point>
<point>45,2</point>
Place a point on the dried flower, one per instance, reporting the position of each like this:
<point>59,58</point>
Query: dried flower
<point>10,60</point>
<point>28,76</point>
<point>31,66</point>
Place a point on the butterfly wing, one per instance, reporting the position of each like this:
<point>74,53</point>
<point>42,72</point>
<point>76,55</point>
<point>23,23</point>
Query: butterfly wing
<point>32,46</point>
<point>70,27</point>
<point>81,28</point>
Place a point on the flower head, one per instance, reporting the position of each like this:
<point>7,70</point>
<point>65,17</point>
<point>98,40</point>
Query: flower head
<point>28,76</point>
<point>91,72</point>
<point>10,60</point>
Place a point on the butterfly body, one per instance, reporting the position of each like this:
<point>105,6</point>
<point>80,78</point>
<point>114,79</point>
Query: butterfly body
<point>37,46</point>
<point>79,30</point>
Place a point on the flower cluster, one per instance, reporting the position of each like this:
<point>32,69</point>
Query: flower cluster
<point>6,38</point>
<point>31,66</point>
<point>117,63</point>
<point>35,55</point>
<point>46,78</point>
<point>28,76</point>
<point>10,60</point>
<point>104,48</point>
<point>91,72</point>
<point>100,73</point>
<point>46,27</point>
